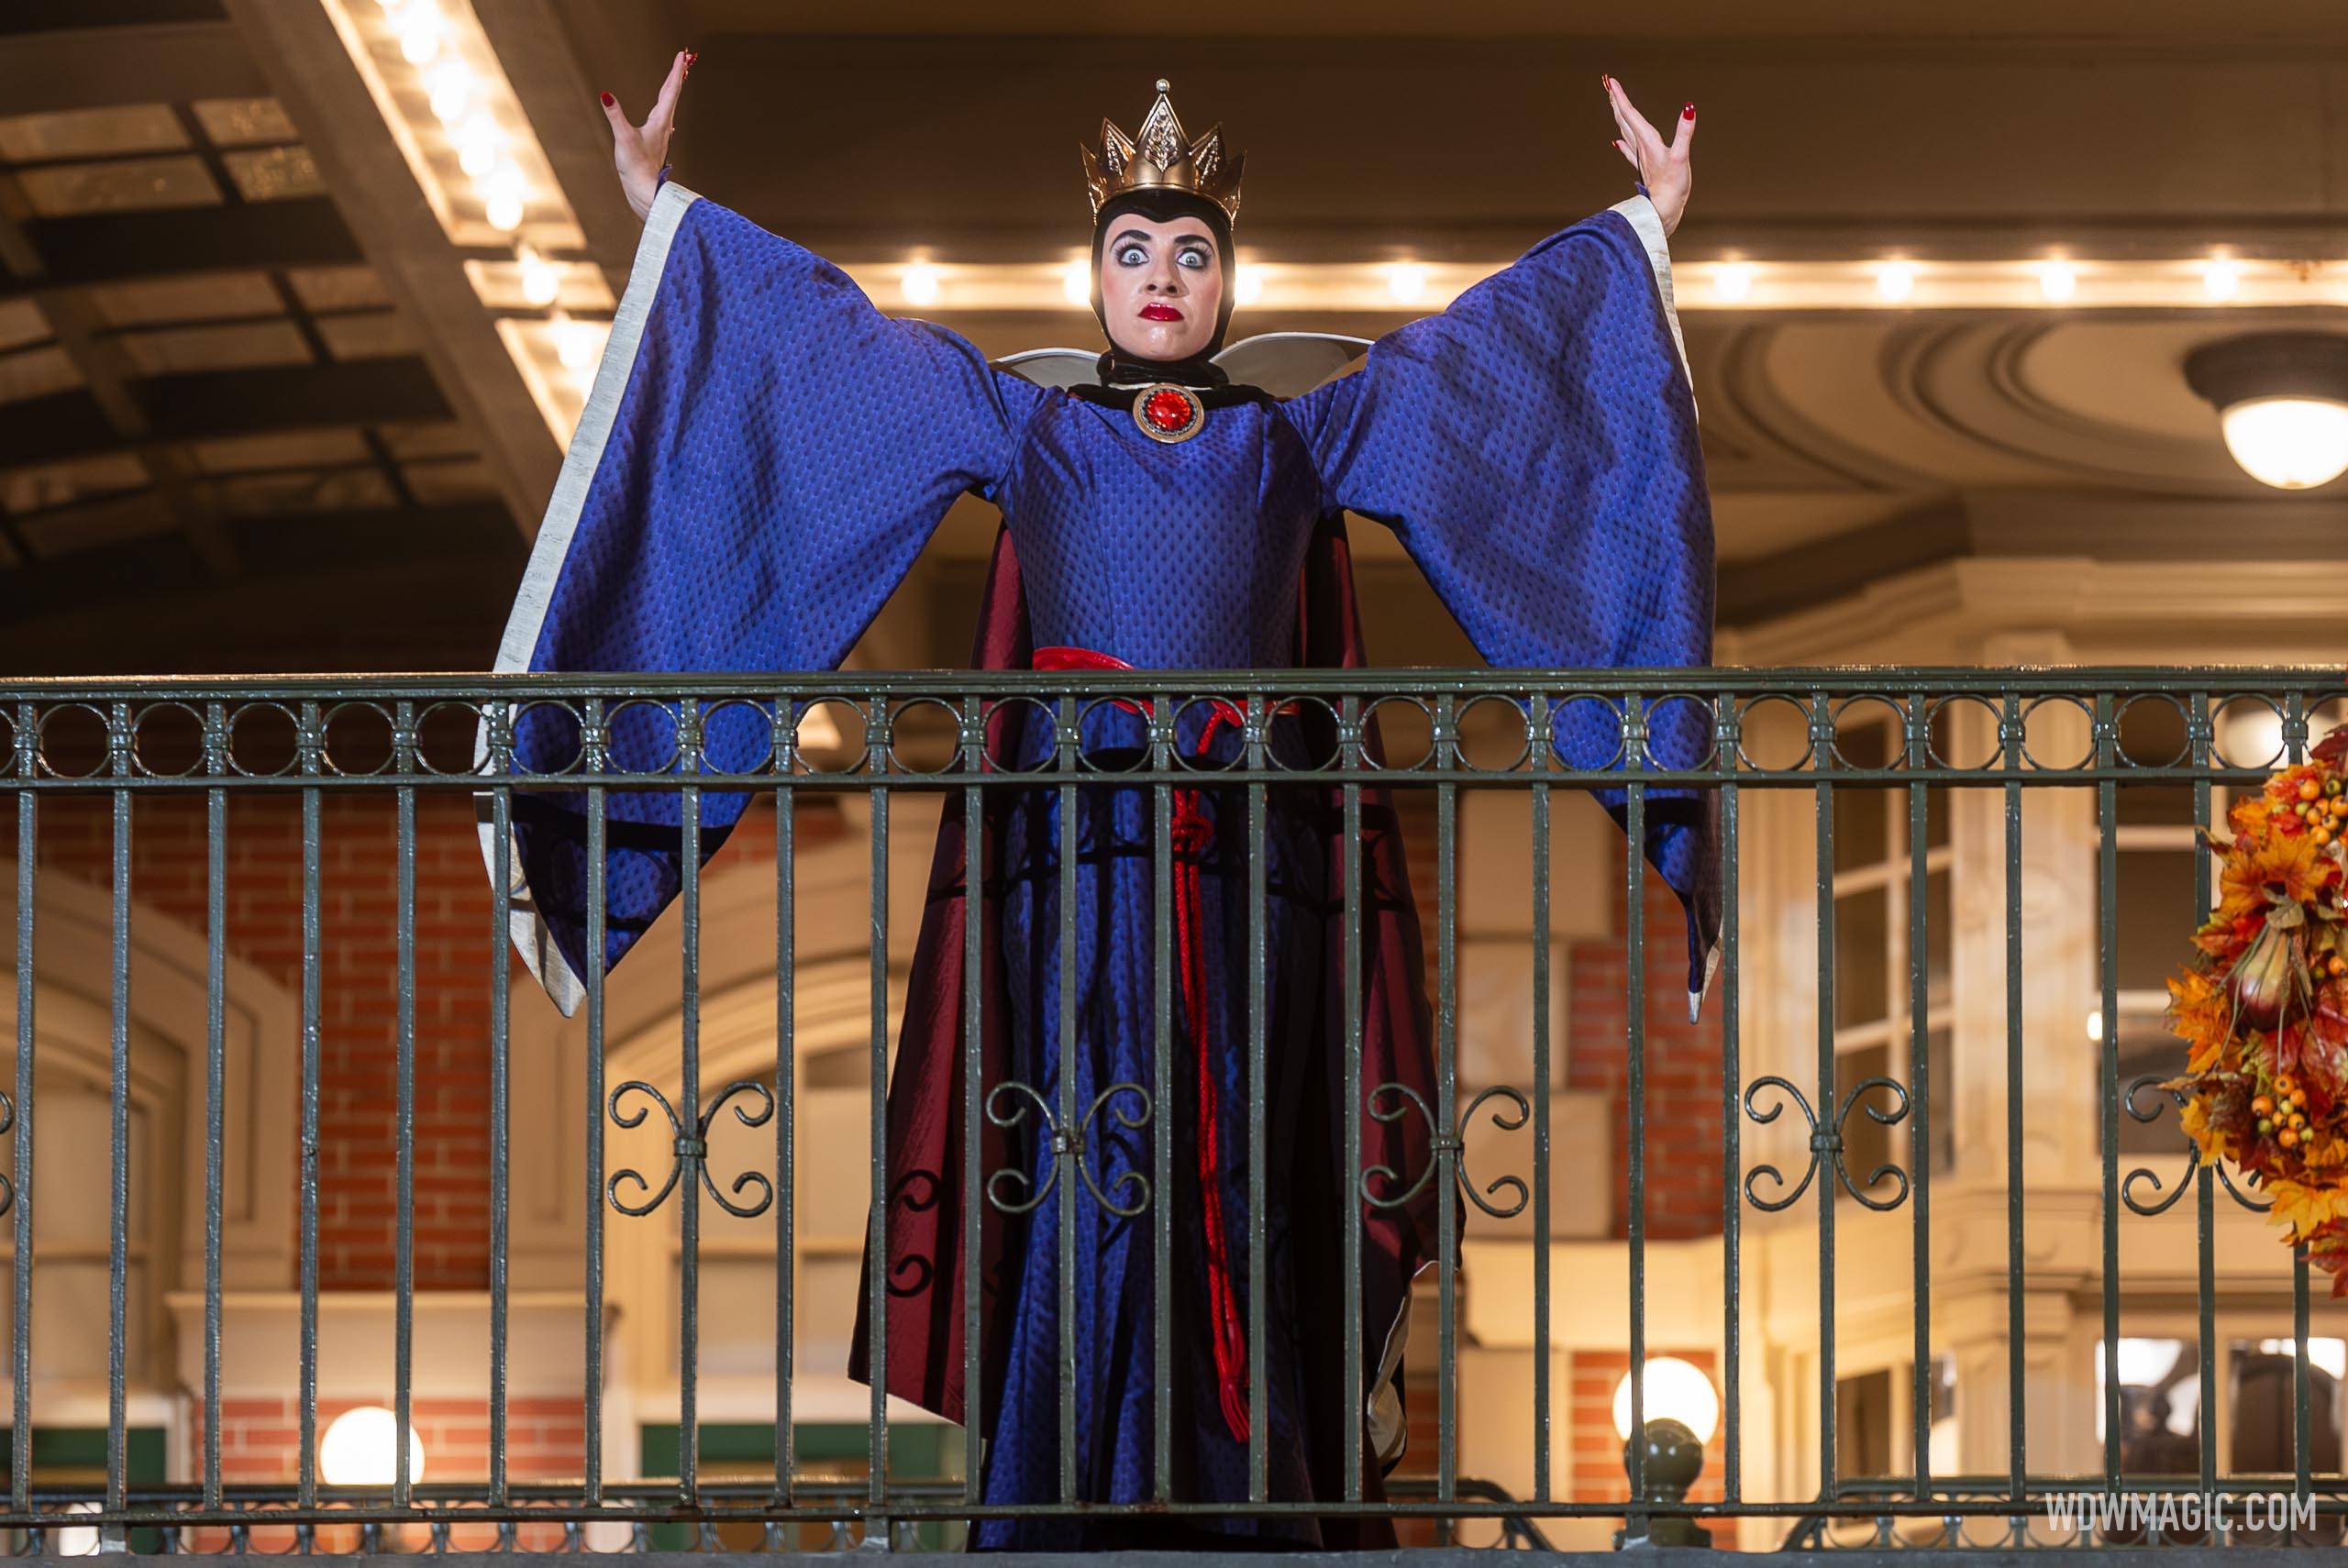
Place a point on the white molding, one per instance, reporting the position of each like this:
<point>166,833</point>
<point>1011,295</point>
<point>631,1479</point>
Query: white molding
<point>72,959</point>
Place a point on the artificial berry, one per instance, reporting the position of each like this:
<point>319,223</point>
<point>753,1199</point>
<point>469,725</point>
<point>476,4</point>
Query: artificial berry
<point>2309,788</point>
<point>2336,966</point>
<point>2266,1125</point>
<point>2289,1139</point>
<point>2323,837</point>
<point>2263,1105</point>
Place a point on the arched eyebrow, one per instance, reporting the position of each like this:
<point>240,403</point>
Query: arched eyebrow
<point>1131,234</point>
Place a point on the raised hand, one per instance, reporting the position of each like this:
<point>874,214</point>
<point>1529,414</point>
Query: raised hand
<point>1663,167</point>
<point>638,151</point>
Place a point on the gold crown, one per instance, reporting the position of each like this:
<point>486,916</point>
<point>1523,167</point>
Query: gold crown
<point>1159,158</point>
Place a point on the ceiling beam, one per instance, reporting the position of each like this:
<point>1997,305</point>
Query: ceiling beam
<point>115,248</point>
<point>412,589</point>
<point>97,68</point>
<point>216,403</point>
<point>32,17</point>
<point>303,59</point>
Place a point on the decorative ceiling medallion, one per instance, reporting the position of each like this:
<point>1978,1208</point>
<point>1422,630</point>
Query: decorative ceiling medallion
<point>1168,412</point>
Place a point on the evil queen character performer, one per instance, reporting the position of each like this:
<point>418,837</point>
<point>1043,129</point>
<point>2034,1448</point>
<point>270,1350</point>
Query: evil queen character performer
<point>761,458</point>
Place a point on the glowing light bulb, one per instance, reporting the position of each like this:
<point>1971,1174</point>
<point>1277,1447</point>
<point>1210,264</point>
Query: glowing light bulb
<point>361,1449</point>
<point>1670,1389</point>
<point>921,286</point>
<point>2221,279</point>
<point>1732,280</point>
<point>1076,281</point>
<point>1247,287</point>
<point>420,22</point>
<point>479,142</point>
<point>577,344</point>
<point>502,199</point>
<point>2095,1025</point>
<point>2291,443</point>
<point>1896,281</point>
<point>451,88</point>
<point>2058,280</point>
<point>1407,282</point>
<point>541,278</point>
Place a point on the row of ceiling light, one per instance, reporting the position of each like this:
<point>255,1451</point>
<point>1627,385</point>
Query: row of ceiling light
<point>1896,283</point>
<point>2282,401</point>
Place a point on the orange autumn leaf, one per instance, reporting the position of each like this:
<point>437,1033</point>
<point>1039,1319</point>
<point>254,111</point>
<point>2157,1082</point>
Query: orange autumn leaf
<point>2304,1208</point>
<point>2199,1013</point>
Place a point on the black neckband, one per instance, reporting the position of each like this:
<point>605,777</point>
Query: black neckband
<point>1228,395</point>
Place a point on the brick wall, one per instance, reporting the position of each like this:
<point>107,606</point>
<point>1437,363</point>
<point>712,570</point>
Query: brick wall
<point>1683,1061</point>
<point>358,992</point>
<point>258,1440</point>
<point>1596,1470</point>
<point>1681,1112</point>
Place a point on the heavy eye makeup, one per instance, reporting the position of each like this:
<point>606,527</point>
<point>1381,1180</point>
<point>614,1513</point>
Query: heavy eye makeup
<point>1191,251</point>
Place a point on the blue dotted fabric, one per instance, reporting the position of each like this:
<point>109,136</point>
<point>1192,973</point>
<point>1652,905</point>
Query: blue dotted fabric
<point>782,451</point>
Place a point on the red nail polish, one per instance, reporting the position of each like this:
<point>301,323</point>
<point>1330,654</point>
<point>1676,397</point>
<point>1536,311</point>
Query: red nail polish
<point>609,100</point>
<point>1689,113</point>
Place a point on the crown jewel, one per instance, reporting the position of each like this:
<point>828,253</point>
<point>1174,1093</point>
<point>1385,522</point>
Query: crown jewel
<point>1158,157</point>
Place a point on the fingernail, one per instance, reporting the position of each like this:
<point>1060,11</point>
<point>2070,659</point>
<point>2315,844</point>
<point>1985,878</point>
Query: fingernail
<point>1689,113</point>
<point>609,100</point>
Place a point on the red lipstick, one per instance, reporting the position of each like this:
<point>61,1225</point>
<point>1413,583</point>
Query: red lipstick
<point>1155,311</point>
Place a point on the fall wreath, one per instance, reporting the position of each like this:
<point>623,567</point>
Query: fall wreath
<point>2263,1009</point>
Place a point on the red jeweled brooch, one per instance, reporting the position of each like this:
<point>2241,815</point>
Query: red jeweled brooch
<point>1168,413</point>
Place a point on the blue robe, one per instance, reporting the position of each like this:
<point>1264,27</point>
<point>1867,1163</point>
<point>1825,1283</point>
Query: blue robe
<point>764,454</point>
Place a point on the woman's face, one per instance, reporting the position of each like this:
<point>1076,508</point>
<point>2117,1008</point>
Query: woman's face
<point>1161,286</point>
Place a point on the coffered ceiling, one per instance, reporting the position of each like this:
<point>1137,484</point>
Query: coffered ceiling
<point>253,413</point>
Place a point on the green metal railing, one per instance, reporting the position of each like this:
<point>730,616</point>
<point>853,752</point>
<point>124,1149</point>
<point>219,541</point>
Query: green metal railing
<point>138,744</point>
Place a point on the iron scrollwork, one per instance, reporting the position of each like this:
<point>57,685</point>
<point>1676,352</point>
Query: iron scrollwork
<point>692,1149</point>
<point>1006,1108</point>
<point>1404,1100</point>
<point>1827,1143</point>
<point>2163,1200</point>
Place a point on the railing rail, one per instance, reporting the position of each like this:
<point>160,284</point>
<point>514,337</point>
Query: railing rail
<point>1911,739</point>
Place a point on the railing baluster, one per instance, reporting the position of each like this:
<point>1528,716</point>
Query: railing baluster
<point>2106,941</point>
<point>596,759</point>
<point>876,1529</point>
<point>1070,742</point>
<point>974,1091</point>
<point>1351,1203</point>
<point>1259,1094</point>
<point>689,1127</point>
<point>1823,732</point>
<point>2009,755</point>
<point>1727,727</point>
<point>404,1120</point>
<point>2199,738</point>
<point>20,1457</point>
<point>1918,748</point>
<point>1539,752</point>
<point>1444,743</point>
<point>215,1053</point>
<point>1635,1522</point>
<point>501,957</point>
<point>2295,734</point>
<point>1162,1119</point>
<point>786,1111</point>
<point>119,1103</point>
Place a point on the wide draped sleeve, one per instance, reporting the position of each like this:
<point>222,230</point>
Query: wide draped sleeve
<point>762,456</point>
<point>1534,445</point>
